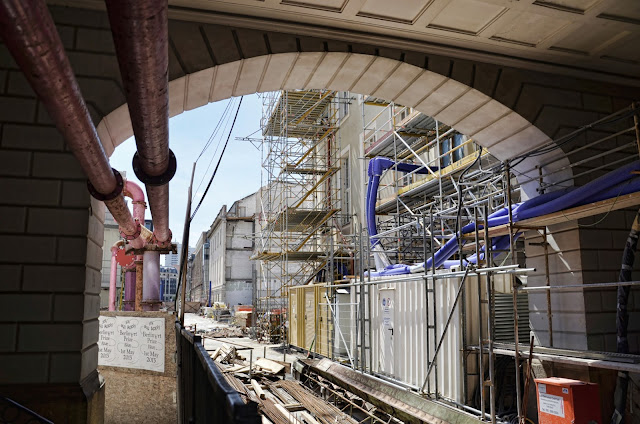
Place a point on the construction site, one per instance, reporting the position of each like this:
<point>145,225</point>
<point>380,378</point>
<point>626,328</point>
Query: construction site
<point>421,260</point>
<point>444,230</point>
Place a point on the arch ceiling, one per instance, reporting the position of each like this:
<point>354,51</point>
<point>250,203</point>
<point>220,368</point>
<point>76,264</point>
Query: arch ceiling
<point>595,39</point>
<point>491,124</point>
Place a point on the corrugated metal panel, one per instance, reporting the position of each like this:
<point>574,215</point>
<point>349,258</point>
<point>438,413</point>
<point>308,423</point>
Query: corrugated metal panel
<point>410,334</point>
<point>345,311</point>
<point>311,320</point>
<point>310,325</point>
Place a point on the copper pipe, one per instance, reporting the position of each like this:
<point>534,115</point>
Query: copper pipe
<point>140,34</point>
<point>159,195</point>
<point>29,33</point>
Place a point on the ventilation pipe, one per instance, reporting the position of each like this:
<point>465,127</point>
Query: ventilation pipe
<point>29,33</point>
<point>140,34</point>
<point>135,193</point>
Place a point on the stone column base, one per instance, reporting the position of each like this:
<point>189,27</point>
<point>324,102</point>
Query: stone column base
<point>61,403</point>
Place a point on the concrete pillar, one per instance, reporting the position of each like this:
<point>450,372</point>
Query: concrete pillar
<point>565,268</point>
<point>151,278</point>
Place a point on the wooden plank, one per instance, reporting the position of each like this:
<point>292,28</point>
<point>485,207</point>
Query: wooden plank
<point>269,365</point>
<point>584,211</point>
<point>591,209</point>
<point>257,389</point>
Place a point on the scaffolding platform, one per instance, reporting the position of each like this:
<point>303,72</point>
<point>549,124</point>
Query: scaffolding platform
<point>292,256</point>
<point>300,220</point>
<point>292,169</point>
<point>579,212</point>
<point>413,129</point>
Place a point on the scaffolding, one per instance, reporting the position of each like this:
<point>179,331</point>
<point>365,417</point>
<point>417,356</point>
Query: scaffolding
<point>417,213</point>
<point>299,199</point>
<point>408,136</point>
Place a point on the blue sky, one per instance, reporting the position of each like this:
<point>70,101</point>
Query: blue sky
<point>239,172</point>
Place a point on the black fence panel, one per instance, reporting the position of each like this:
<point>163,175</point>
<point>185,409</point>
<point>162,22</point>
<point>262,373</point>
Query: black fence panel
<point>204,396</point>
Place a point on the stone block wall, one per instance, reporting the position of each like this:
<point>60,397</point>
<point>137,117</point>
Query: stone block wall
<point>565,268</point>
<point>603,238</point>
<point>582,252</point>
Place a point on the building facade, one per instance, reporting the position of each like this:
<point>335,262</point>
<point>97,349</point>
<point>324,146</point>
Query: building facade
<point>173,259</point>
<point>199,281</point>
<point>232,242</point>
<point>168,283</point>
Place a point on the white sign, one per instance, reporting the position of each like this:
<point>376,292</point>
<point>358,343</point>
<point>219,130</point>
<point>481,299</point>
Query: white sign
<point>551,404</point>
<point>132,342</point>
<point>387,312</point>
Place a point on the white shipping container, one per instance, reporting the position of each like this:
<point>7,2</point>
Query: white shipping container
<point>399,331</point>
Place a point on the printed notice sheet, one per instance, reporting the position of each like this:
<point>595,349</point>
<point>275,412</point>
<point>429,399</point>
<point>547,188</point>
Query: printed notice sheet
<point>132,342</point>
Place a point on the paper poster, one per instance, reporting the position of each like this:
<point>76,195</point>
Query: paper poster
<point>132,342</point>
<point>551,404</point>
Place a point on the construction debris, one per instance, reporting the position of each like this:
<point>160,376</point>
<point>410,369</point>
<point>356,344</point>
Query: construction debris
<point>231,362</point>
<point>225,332</point>
<point>281,401</point>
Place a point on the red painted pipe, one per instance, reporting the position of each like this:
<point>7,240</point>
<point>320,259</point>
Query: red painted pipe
<point>29,33</point>
<point>140,34</point>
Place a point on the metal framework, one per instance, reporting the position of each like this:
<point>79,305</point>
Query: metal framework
<point>418,213</point>
<point>299,198</point>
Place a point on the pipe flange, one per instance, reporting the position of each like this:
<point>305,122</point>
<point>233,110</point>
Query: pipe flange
<point>158,180</point>
<point>110,196</point>
<point>135,234</point>
<point>163,244</point>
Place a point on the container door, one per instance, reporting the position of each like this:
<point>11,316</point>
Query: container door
<point>323,325</point>
<point>309,319</point>
<point>386,297</point>
<point>293,320</point>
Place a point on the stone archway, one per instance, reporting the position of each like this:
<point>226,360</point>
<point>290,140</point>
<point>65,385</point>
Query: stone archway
<point>504,132</point>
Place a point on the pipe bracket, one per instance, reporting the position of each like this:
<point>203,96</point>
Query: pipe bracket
<point>158,180</point>
<point>109,196</point>
<point>162,244</point>
<point>135,234</point>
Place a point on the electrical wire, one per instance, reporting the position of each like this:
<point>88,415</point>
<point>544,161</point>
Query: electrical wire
<point>215,130</point>
<point>227,119</point>
<point>215,171</point>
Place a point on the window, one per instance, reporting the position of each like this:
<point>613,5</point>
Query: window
<point>343,104</point>
<point>403,114</point>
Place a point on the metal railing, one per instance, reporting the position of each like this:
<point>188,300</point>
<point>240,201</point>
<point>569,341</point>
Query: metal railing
<point>13,412</point>
<point>204,396</point>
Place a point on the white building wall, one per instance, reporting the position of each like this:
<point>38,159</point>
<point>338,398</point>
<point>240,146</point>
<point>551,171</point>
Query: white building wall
<point>217,261</point>
<point>232,240</point>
